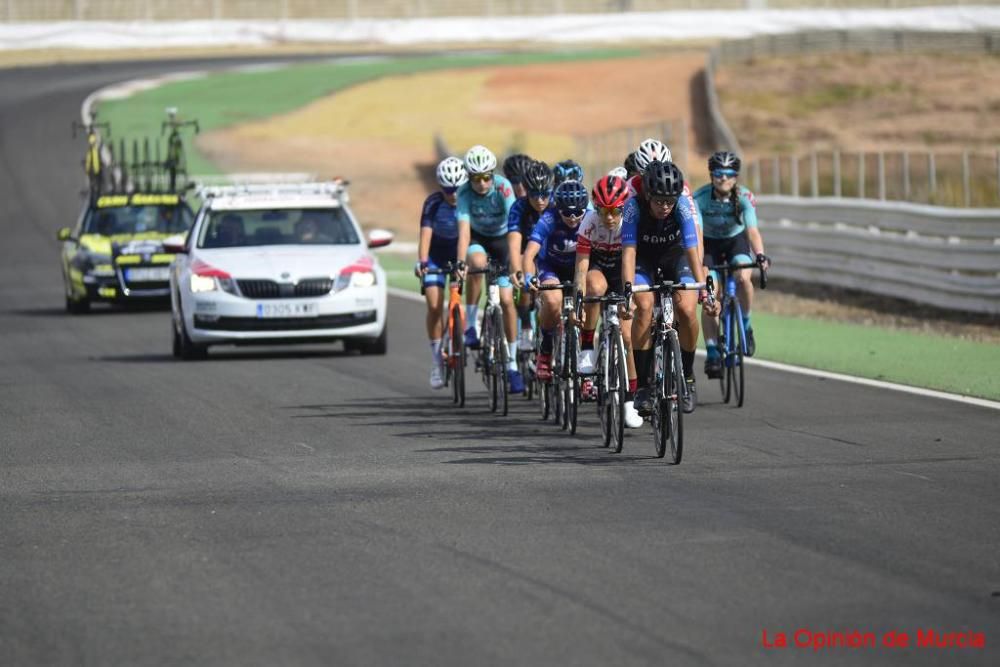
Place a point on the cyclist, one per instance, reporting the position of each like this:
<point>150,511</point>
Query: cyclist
<point>631,168</point>
<point>523,216</point>
<point>513,169</point>
<point>653,149</point>
<point>567,170</point>
<point>483,207</point>
<point>659,232</point>
<point>729,215</point>
<point>598,270</point>
<point>438,247</point>
<point>553,242</point>
<point>620,172</point>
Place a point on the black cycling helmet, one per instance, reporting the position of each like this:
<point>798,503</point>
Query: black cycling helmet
<point>724,160</point>
<point>662,179</point>
<point>571,196</point>
<point>538,177</point>
<point>630,164</point>
<point>515,166</point>
<point>568,170</point>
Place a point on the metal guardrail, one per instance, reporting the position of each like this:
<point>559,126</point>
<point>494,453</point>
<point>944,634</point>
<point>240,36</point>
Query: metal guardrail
<point>948,258</point>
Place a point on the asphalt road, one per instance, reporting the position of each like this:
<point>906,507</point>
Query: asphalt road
<point>299,506</point>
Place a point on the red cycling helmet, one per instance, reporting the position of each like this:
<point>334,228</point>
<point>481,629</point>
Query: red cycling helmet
<point>611,192</point>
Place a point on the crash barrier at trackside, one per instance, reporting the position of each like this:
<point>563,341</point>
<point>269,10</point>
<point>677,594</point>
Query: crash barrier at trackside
<point>943,257</point>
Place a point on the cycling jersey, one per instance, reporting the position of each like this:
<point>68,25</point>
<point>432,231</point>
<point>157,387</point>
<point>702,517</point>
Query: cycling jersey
<point>635,187</point>
<point>440,216</point>
<point>724,219</point>
<point>558,240</point>
<point>603,245</point>
<point>486,214</point>
<point>522,218</point>
<point>652,237</point>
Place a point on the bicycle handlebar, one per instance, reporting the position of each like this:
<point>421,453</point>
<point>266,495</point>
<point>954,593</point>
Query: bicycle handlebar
<point>755,265</point>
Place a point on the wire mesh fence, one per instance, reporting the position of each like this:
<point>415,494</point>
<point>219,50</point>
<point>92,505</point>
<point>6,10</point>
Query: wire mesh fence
<point>131,10</point>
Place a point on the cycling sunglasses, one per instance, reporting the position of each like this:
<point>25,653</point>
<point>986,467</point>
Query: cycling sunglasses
<point>724,173</point>
<point>611,210</point>
<point>481,178</point>
<point>539,194</point>
<point>663,201</point>
<point>571,213</point>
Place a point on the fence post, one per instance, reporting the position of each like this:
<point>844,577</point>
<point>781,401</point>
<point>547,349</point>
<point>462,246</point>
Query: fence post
<point>793,168</point>
<point>757,175</point>
<point>998,173</point>
<point>906,175</point>
<point>814,174</point>
<point>861,175</point>
<point>881,176</point>
<point>966,186</point>
<point>836,174</point>
<point>931,174</point>
<point>776,164</point>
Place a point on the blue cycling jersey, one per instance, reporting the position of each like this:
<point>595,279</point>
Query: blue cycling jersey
<point>652,237</point>
<point>558,240</point>
<point>724,219</point>
<point>523,217</point>
<point>486,214</point>
<point>440,216</point>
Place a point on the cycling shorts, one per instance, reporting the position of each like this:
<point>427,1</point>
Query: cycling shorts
<point>440,255</point>
<point>496,248</point>
<point>672,266</point>
<point>549,272</point>
<point>612,275</point>
<point>733,250</point>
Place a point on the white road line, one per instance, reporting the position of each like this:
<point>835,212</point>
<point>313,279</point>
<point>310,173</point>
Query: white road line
<point>801,370</point>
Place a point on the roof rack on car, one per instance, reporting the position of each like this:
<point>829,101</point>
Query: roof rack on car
<point>335,188</point>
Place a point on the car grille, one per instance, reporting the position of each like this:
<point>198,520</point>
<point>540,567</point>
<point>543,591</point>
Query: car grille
<point>283,323</point>
<point>269,289</point>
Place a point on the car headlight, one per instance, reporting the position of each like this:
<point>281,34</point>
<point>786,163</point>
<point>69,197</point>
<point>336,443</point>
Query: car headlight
<point>354,278</point>
<point>202,283</point>
<point>205,278</point>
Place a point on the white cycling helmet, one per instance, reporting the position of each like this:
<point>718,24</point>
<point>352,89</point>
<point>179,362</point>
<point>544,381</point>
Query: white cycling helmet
<point>620,172</point>
<point>480,160</point>
<point>649,150</point>
<point>451,173</point>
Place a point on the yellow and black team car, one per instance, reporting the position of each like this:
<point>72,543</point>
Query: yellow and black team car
<point>116,252</point>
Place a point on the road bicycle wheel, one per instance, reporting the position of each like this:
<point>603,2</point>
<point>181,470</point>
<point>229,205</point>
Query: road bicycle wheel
<point>659,416</point>
<point>572,389</point>
<point>557,394</point>
<point>545,399</point>
<point>739,342</point>
<point>675,389</point>
<point>602,382</point>
<point>725,348</point>
<point>456,359</point>
<point>500,361</point>
<point>617,386</point>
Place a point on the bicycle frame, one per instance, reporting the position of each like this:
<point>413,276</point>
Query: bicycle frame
<point>493,341</point>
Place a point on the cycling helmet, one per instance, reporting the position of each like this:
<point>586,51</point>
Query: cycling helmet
<point>480,160</point>
<point>611,192</point>
<point>649,150</point>
<point>724,160</point>
<point>662,179</point>
<point>620,172</point>
<point>515,166</point>
<point>630,165</point>
<point>571,196</point>
<point>538,177</point>
<point>451,173</point>
<point>568,170</point>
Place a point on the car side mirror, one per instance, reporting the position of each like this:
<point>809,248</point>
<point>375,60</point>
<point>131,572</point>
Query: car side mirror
<point>64,234</point>
<point>379,238</point>
<point>176,244</point>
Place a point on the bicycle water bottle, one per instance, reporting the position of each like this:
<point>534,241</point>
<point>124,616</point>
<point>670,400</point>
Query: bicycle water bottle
<point>494,293</point>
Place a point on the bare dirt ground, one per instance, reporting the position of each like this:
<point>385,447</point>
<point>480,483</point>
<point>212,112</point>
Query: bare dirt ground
<point>382,133</point>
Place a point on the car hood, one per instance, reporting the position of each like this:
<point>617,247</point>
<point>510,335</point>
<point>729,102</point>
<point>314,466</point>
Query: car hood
<point>127,243</point>
<point>284,264</point>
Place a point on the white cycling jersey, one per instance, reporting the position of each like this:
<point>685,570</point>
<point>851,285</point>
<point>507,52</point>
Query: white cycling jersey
<point>602,244</point>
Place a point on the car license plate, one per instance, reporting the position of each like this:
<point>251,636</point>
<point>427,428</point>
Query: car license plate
<point>148,274</point>
<point>287,309</point>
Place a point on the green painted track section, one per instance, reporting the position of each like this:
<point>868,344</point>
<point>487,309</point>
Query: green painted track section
<point>944,363</point>
<point>229,98</point>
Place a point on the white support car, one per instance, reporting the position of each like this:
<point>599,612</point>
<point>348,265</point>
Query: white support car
<point>277,264</point>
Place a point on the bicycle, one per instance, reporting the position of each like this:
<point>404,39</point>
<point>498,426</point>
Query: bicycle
<point>732,334</point>
<point>92,159</point>
<point>526,361</point>
<point>453,342</point>
<point>667,388</point>
<point>493,356</point>
<point>611,370</point>
<point>176,163</point>
<point>564,388</point>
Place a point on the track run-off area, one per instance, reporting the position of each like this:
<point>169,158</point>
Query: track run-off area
<point>302,506</point>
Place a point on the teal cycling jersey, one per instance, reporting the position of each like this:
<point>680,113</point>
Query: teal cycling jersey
<point>486,214</point>
<point>724,219</point>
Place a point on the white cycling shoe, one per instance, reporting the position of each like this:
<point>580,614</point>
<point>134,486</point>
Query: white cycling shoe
<point>526,340</point>
<point>632,418</point>
<point>585,362</point>
<point>437,376</point>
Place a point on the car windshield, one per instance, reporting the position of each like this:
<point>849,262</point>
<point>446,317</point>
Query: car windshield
<point>286,226</point>
<point>138,220</point>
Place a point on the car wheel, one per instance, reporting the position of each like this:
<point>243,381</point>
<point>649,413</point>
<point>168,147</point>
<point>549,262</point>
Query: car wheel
<point>176,341</point>
<point>184,347</point>
<point>369,345</point>
<point>77,307</point>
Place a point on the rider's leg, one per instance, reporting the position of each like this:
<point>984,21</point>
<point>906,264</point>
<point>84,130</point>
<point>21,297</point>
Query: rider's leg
<point>744,291</point>
<point>686,310</point>
<point>476,259</point>
<point>509,325</point>
<point>597,285</point>
<point>434,296</point>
